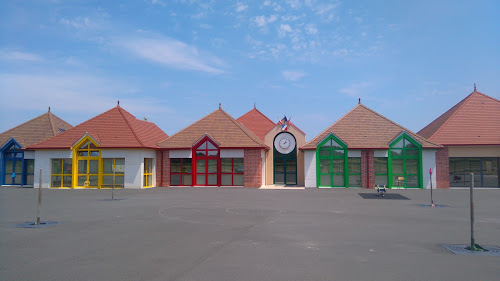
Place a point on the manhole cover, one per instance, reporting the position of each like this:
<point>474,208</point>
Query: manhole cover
<point>492,251</point>
<point>394,196</point>
<point>34,225</point>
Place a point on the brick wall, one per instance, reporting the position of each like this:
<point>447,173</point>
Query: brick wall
<point>253,168</point>
<point>442,168</point>
<point>165,181</point>
<point>367,168</point>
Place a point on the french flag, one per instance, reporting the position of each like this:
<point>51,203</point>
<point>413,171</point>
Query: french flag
<point>284,123</point>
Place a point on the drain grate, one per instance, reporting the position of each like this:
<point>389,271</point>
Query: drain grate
<point>394,196</point>
<point>34,225</point>
<point>492,251</point>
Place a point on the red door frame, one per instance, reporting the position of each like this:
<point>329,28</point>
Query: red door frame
<point>206,157</point>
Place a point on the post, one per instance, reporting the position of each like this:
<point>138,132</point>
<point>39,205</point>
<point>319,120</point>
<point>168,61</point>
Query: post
<point>432,200</point>
<point>472,242</point>
<point>39,198</point>
<point>113,188</point>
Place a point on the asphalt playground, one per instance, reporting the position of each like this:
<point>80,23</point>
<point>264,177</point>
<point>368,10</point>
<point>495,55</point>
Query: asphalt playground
<point>199,233</point>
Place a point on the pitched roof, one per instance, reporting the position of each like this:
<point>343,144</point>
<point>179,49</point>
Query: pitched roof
<point>35,130</point>
<point>257,122</point>
<point>472,121</point>
<point>364,128</point>
<point>115,128</point>
<point>221,127</point>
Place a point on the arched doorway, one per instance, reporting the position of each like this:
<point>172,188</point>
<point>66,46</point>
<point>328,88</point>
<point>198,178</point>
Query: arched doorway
<point>207,162</point>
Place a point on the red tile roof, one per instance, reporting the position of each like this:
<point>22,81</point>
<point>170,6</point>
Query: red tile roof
<point>115,128</point>
<point>473,121</point>
<point>36,130</point>
<point>219,126</point>
<point>257,122</point>
<point>363,128</point>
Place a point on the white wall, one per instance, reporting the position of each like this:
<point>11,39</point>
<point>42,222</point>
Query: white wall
<point>134,164</point>
<point>183,153</point>
<point>232,153</point>
<point>42,161</point>
<point>310,168</point>
<point>29,154</point>
<point>353,153</point>
<point>428,162</point>
<point>380,153</point>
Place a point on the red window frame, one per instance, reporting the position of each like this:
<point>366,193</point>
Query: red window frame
<point>181,173</point>
<point>232,173</point>
<point>206,157</point>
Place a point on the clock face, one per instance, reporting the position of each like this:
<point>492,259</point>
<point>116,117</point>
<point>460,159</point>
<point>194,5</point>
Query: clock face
<point>284,143</point>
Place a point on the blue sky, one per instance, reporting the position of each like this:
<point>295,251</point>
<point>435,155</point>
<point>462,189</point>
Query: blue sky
<point>174,61</point>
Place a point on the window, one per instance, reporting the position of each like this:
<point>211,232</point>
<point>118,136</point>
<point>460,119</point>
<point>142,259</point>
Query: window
<point>181,171</point>
<point>405,156</point>
<point>113,172</point>
<point>206,163</point>
<point>232,171</point>
<point>354,171</point>
<point>60,175</point>
<point>13,164</point>
<point>486,172</point>
<point>148,172</point>
<point>87,160</point>
<point>331,156</point>
<point>30,171</point>
<point>381,171</point>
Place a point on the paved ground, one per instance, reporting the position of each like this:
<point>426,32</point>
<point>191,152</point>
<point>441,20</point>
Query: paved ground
<point>245,234</point>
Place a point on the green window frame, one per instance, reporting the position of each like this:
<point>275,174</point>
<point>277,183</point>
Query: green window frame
<point>381,171</point>
<point>354,170</point>
<point>405,163</point>
<point>332,163</point>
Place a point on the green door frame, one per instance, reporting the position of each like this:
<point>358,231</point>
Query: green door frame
<point>407,137</point>
<point>331,157</point>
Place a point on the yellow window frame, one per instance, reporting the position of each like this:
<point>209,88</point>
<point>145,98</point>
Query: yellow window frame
<point>88,154</point>
<point>148,171</point>
<point>101,172</point>
<point>62,174</point>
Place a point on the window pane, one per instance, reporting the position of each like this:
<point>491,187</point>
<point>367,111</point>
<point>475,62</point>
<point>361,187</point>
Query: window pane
<point>226,179</point>
<point>411,166</point>
<point>238,165</point>
<point>381,180</point>
<point>399,144</point>
<point>107,166</point>
<point>380,165</point>
<point>412,181</point>
<point>212,179</point>
<point>93,180</point>
<point>324,152</point>
<point>355,180</point>
<point>203,145</point>
<point>186,165</point>
<point>396,152</point>
<point>175,166</point>
<point>81,180</point>
<point>82,166</point>
<point>212,166</point>
<point>67,166</point>
<point>119,180</point>
<point>324,165</point>
<point>120,166</point>
<point>327,144</point>
<point>291,178</point>
<point>325,180</point>
<point>411,152</point>
<point>94,153</point>
<point>279,178</point>
<point>291,166</point>
<point>18,169</point>
<point>408,144</point>
<point>30,179</point>
<point>56,166</point>
<point>85,145</point>
<point>397,166</point>
<point>226,164</point>
<point>30,166</point>
<point>337,152</point>
<point>93,167</point>
<point>335,144</point>
<point>213,153</point>
<point>238,180</point>
<point>9,167</point>
<point>175,180</point>
<point>200,166</point>
<point>55,181</point>
<point>210,145</point>
<point>338,180</point>
<point>398,181</point>
<point>200,179</point>
<point>279,166</point>
<point>338,166</point>
<point>67,181</point>
<point>187,179</point>
<point>354,166</point>
<point>92,146</point>
<point>150,180</point>
<point>201,153</point>
<point>107,180</point>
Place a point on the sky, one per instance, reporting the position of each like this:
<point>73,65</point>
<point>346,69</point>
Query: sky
<point>172,62</point>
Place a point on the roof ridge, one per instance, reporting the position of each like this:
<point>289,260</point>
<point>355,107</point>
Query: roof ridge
<point>51,122</point>
<point>460,105</point>
<point>244,129</point>
<point>262,115</point>
<point>23,123</point>
<point>192,124</point>
<point>128,124</point>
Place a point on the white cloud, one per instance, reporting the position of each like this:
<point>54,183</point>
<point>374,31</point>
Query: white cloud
<point>311,29</point>
<point>293,75</point>
<point>157,2</point>
<point>357,90</point>
<point>284,28</point>
<point>262,21</point>
<point>171,53</point>
<point>79,22</point>
<point>240,7</point>
<point>19,56</point>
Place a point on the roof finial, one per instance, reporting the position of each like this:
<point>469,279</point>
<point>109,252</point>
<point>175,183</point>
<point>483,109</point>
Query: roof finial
<point>474,87</point>
<point>219,106</point>
<point>359,100</point>
<point>49,108</point>
<point>118,103</point>
<point>254,105</point>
